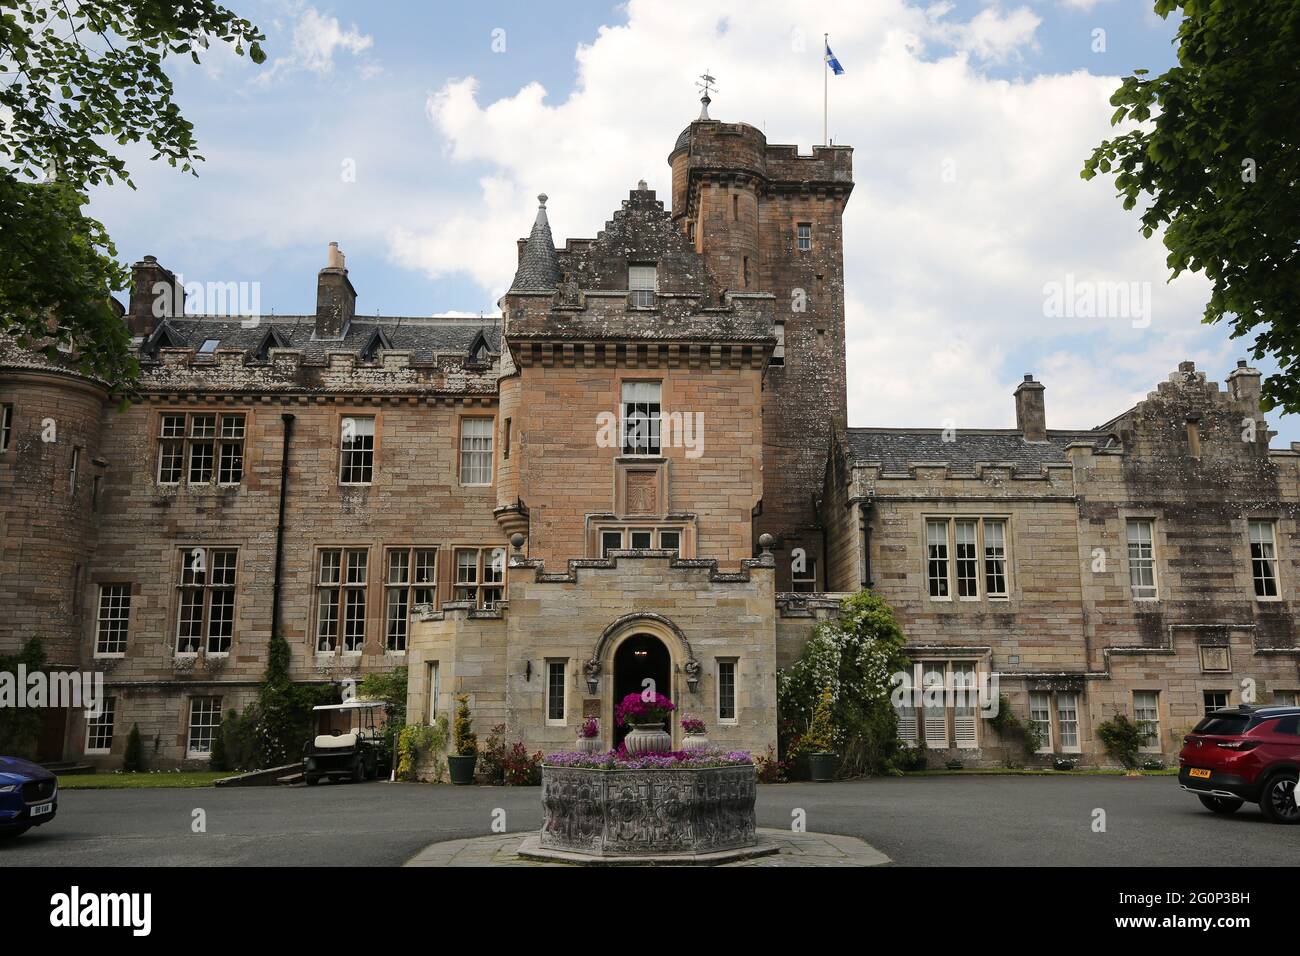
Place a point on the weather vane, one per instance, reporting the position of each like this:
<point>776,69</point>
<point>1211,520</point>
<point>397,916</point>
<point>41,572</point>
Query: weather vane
<point>706,86</point>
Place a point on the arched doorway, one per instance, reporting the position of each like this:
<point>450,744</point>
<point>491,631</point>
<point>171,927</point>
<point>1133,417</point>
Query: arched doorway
<point>639,657</point>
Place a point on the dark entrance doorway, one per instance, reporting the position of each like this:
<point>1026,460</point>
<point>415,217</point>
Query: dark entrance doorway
<point>641,656</point>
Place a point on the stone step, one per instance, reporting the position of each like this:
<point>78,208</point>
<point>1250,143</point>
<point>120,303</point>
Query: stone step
<point>291,780</point>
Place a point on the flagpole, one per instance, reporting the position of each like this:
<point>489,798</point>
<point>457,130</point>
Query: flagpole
<point>826,41</point>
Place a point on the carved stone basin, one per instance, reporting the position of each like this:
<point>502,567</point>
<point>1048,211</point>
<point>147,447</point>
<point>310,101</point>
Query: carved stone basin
<point>645,813</point>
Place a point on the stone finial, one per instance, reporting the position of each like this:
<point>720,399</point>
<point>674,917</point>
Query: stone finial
<point>541,200</point>
<point>765,542</point>
<point>641,185</point>
<point>517,540</point>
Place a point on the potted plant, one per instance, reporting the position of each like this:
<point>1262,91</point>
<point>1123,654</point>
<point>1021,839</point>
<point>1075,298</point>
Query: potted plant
<point>694,735</point>
<point>461,764</point>
<point>646,713</point>
<point>819,742</point>
<point>589,736</point>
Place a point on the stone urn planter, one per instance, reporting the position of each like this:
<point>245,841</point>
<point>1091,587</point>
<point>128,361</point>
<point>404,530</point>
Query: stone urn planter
<point>694,742</point>
<point>589,745</point>
<point>461,768</point>
<point>648,739</point>
<point>821,767</point>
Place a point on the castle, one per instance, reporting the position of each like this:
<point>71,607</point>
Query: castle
<point>642,469</point>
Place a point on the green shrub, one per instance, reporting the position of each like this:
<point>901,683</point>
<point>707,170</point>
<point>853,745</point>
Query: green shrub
<point>1013,730</point>
<point>235,745</point>
<point>463,729</point>
<point>1122,739</point>
<point>133,758</point>
<point>820,737</point>
<point>415,741</point>
<point>20,727</point>
<point>854,656</point>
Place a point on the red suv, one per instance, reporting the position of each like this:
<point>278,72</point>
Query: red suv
<point>1247,753</point>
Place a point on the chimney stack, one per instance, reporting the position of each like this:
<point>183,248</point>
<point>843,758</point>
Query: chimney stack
<point>156,294</point>
<point>1243,386</point>
<point>336,300</point>
<point>1031,414</point>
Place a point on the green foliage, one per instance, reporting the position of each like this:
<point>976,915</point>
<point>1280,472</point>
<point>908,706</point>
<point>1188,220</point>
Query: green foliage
<point>1011,729</point>
<point>1213,144</point>
<point>235,745</point>
<point>390,687</point>
<point>20,727</point>
<point>1122,739</point>
<point>284,710</point>
<point>415,741</point>
<point>854,658</point>
<point>57,269</point>
<point>463,729</point>
<point>820,736</point>
<point>79,79</point>
<point>133,758</point>
<point>73,91</point>
<point>908,759</point>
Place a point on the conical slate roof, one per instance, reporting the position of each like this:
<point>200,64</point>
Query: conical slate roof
<point>539,269</point>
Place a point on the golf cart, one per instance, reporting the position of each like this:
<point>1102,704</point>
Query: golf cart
<point>349,744</point>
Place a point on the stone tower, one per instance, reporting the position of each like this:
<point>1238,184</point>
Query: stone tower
<point>768,219</point>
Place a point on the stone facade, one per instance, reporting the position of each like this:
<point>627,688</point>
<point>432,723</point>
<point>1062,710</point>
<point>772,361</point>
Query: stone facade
<point>356,484</point>
<point>1130,582</point>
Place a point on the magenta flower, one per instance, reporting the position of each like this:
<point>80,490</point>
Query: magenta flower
<point>635,709</point>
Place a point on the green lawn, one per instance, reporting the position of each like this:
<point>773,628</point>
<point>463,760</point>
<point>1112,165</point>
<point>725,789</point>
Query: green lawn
<point>127,781</point>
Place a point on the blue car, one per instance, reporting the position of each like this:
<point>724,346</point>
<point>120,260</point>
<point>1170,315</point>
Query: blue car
<point>29,796</point>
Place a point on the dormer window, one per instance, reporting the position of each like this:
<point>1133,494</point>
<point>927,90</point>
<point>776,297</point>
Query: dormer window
<point>478,349</point>
<point>642,284</point>
<point>209,346</point>
<point>378,340</point>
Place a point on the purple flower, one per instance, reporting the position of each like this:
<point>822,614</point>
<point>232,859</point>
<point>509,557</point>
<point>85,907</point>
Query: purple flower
<point>675,760</point>
<point>590,728</point>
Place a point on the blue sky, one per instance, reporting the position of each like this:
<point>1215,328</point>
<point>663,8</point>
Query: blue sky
<point>969,119</point>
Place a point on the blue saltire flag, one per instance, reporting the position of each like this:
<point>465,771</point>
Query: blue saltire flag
<point>832,62</point>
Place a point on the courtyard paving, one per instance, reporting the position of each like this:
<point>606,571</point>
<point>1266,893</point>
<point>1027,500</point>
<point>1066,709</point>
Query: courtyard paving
<point>914,821</point>
<point>793,849</point>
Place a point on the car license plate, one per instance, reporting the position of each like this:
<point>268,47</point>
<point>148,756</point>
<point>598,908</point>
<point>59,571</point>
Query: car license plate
<point>1198,772</point>
<point>41,809</point>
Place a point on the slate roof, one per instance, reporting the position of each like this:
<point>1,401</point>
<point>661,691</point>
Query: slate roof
<point>421,336</point>
<point>895,448</point>
<point>539,266</point>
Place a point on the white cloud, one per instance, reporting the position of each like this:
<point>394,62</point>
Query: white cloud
<point>945,279</point>
<point>990,35</point>
<point>316,39</point>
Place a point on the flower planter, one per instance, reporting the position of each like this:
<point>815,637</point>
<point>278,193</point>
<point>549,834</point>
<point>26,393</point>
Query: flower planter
<point>648,739</point>
<point>821,767</point>
<point>589,745</point>
<point>694,742</point>
<point>614,813</point>
<point>461,769</point>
